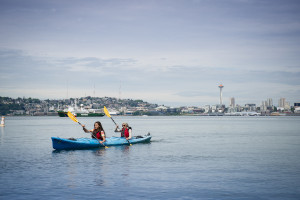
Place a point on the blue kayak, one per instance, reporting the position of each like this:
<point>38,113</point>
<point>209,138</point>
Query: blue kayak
<point>89,143</point>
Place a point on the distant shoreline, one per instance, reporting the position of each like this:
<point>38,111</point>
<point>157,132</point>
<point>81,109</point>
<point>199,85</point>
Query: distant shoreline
<point>196,115</point>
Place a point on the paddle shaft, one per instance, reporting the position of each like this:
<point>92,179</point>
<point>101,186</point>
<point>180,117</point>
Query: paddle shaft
<point>108,115</point>
<point>114,121</point>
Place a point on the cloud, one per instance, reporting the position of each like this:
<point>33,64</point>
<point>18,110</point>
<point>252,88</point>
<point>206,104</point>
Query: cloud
<point>166,51</point>
<point>180,84</point>
<point>92,64</point>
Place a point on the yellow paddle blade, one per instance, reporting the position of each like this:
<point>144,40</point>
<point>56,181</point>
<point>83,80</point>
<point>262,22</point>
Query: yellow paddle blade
<point>106,112</point>
<point>72,117</point>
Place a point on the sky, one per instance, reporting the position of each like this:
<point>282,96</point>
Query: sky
<point>168,52</point>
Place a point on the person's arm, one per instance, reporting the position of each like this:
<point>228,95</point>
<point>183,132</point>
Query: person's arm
<point>117,129</point>
<point>130,135</point>
<point>84,129</point>
<point>103,136</point>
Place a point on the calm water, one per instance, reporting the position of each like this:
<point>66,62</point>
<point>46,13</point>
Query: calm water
<point>188,158</point>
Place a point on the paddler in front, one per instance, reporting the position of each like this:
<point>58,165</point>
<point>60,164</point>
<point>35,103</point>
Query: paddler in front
<point>97,133</point>
<point>125,132</point>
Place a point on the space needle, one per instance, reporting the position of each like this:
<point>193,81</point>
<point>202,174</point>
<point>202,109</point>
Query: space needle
<point>221,86</point>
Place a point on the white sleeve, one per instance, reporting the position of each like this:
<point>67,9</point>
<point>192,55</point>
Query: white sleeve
<point>129,133</point>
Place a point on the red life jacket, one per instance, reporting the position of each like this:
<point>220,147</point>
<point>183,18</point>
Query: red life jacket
<point>97,135</point>
<point>125,132</point>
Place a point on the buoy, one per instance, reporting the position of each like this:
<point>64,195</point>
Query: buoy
<point>2,121</point>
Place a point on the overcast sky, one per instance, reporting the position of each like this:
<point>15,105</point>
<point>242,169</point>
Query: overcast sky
<point>171,52</point>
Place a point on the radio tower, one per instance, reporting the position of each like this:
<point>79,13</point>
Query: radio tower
<point>221,86</point>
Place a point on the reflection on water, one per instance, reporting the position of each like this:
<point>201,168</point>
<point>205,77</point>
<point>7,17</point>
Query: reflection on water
<point>125,149</point>
<point>101,152</point>
<point>2,133</point>
<point>80,166</point>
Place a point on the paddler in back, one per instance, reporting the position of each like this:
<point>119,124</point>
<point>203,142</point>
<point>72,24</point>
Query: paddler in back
<point>126,131</point>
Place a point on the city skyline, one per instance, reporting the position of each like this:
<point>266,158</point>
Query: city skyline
<point>282,102</point>
<point>165,52</point>
<point>36,107</point>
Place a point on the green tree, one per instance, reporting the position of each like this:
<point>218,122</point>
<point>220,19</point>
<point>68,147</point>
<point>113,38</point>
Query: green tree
<point>293,109</point>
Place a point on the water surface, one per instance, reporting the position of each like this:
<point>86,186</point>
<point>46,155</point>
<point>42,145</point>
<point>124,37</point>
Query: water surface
<point>189,158</point>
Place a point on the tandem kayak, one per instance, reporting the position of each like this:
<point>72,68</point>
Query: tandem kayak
<point>89,143</point>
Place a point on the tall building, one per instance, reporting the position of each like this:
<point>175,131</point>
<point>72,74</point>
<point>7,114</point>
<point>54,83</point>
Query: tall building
<point>267,105</point>
<point>270,102</point>
<point>264,105</point>
<point>284,104</point>
<point>281,102</point>
<point>232,102</point>
<point>221,87</point>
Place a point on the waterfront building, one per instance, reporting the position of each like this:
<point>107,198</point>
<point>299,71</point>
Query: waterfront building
<point>185,110</point>
<point>263,106</point>
<point>232,102</point>
<point>207,109</point>
<point>238,108</point>
<point>141,108</point>
<point>214,108</point>
<point>269,102</point>
<point>297,110</point>
<point>297,107</point>
<point>232,110</point>
<point>287,106</point>
<point>161,108</point>
<point>267,105</point>
<point>250,107</point>
<point>129,112</point>
<point>174,110</point>
<point>281,102</point>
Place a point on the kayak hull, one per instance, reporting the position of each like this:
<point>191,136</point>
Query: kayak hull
<point>89,143</point>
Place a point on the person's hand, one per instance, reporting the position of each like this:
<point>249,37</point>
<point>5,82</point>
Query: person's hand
<point>83,125</point>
